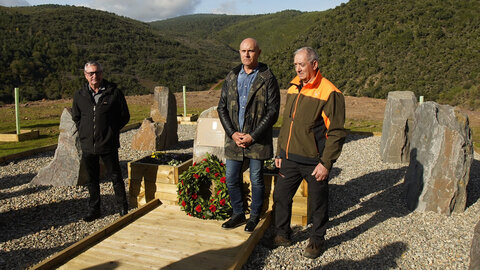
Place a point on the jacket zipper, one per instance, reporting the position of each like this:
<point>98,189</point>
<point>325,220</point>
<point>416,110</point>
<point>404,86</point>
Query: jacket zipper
<point>291,124</point>
<point>94,125</point>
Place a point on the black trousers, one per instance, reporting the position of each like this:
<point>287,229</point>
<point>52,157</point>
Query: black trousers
<point>113,171</point>
<point>289,179</point>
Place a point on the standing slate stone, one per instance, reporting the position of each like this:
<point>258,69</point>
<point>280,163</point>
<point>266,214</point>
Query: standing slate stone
<point>64,169</point>
<point>475,250</point>
<point>164,110</point>
<point>160,131</point>
<point>398,122</point>
<point>151,136</point>
<point>210,136</point>
<point>440,160</point>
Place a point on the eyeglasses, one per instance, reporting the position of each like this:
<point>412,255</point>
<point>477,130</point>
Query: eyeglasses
<point>93,72</point>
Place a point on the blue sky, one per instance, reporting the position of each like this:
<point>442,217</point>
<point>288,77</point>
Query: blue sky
<point>162,9</point>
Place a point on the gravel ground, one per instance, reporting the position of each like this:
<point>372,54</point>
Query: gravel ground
<point>370,227</point>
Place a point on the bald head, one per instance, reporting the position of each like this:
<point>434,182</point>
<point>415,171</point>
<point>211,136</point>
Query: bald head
<point>249,53</point>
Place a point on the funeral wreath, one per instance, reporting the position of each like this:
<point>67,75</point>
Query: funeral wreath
<point>202,190</point>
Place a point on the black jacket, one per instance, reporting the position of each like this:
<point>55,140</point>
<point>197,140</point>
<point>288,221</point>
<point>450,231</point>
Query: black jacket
<point>99,125</point>
<point>261,113</point>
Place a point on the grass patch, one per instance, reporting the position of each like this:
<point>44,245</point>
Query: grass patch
<point>46,119</point>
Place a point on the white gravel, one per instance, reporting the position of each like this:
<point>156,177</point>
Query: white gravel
<point>370,226</point>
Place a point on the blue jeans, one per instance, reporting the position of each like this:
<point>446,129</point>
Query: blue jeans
<point>235,183</point>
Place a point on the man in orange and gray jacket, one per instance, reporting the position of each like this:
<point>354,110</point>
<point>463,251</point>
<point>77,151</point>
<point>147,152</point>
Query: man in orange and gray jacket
<point>310,141</point>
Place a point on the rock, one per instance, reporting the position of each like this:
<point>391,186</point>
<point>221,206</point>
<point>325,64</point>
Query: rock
<point>210,136</point>
<point>475,250</point>
<point>441,154</point>
<point>398,122</point>
<point>160,131</point>
<point>151,136</point>
<point>64,169</point>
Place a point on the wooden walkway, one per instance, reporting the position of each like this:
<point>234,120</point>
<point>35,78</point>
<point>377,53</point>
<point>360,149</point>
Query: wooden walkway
<point>163,238</point>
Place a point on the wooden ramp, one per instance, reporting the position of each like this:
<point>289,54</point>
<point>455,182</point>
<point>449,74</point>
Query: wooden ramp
<point>163,238</point>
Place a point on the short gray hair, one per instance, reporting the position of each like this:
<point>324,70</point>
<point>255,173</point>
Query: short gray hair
<point>311,54</point>
<point>93,63</point>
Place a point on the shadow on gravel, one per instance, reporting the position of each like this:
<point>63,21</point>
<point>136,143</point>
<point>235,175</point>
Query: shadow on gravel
<point>18,223</point>
<point>16,180</point>
<point>22,258</point>
<point>23,192</point>
<point>388,201</point>
<point>384,259</point>
<point>357,136</point>
<point>473,187</point>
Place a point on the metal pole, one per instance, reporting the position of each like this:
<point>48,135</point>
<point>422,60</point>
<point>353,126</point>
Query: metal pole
<point>184,102</point>
<point>17,112</point>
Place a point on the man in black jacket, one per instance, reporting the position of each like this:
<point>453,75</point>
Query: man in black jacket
<point>100,111</point>
<point>248,107</point>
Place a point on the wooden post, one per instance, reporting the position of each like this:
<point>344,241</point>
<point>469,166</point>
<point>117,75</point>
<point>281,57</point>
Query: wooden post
<point>184,102</point>
<point>17,112</point>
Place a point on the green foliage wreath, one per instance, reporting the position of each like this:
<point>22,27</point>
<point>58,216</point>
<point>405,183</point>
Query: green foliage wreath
<point>202,190</point>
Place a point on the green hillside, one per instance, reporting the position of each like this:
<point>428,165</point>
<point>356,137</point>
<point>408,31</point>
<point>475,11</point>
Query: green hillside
<point>366,47</point>
<point>43,50</point>
<point>370,47</point>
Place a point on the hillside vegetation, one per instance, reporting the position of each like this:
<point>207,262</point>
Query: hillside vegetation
<point>369,47</point>
<point>366,48</point>
<point>43,50</point>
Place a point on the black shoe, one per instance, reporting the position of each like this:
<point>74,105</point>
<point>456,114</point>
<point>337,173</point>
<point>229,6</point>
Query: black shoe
<point>235,221</point>
<point>251,224</point>
<point>123,212</point>
<point>92,215</point>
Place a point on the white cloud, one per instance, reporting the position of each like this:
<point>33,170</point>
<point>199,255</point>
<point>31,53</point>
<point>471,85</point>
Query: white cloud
<point>146,10</point>
<point>226,7</point>
<point>13,3</point>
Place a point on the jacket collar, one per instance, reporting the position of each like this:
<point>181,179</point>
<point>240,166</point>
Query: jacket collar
<point>108,86</point>
<point>311,85</point>
<point>261,68</point>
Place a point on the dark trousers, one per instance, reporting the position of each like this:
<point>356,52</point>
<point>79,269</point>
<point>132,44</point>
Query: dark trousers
<point>289,179</point>
<point>113,171</point>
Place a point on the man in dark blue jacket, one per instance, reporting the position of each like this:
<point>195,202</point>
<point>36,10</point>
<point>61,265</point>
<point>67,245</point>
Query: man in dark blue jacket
<point>100,111</point>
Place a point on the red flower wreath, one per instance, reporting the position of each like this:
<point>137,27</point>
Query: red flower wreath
<point>209,172</point>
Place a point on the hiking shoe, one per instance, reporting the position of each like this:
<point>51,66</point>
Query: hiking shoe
<point>313,250</point>
<point>280,240</point>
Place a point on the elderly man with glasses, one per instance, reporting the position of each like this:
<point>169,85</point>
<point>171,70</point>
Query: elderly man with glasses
<point>100,111</point>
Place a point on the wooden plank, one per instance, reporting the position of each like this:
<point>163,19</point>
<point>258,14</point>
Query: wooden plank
<point>62,256</point>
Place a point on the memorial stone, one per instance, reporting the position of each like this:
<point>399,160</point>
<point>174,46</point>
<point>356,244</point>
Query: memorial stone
<point>441,154</point>
<point>210,136</point>
<point>475,249</point>
<point>64,169</point>
<point>160,131</point>
<point>398,122</point>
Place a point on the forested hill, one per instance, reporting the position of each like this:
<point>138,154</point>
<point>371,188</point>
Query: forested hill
<point>367,47</point>
<point>43,50</point>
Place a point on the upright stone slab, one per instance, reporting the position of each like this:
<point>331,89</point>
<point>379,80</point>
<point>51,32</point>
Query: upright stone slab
<point>398,122</point>
<point>160,131</point>
<point>440,160</point>
<point>164,110</point>
<point>475,249</point>
<point>151,136</point>
<point>64,169</point>
<point>210,136</point>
